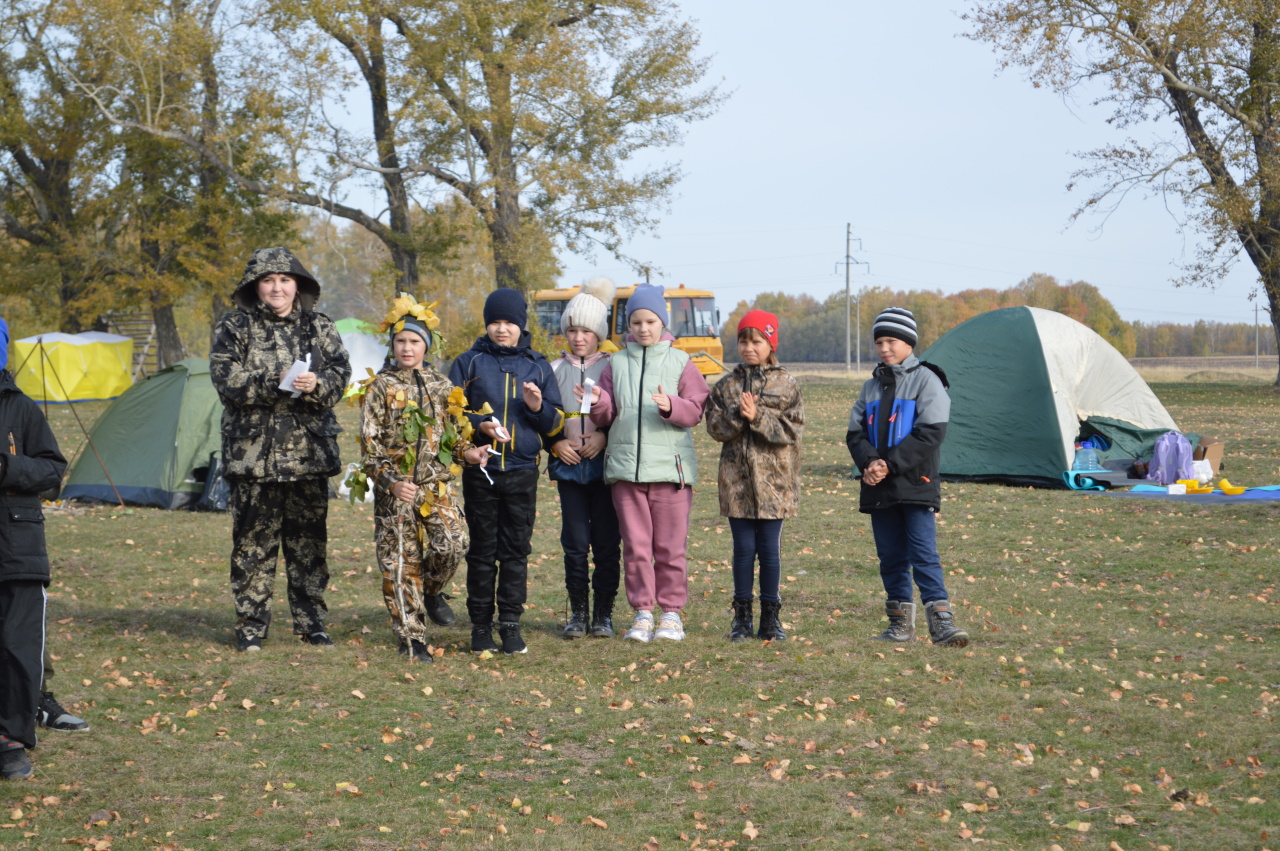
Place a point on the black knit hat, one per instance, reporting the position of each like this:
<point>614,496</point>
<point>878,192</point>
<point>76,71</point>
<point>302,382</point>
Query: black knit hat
<point>506,304</point>
<point>897,322</point>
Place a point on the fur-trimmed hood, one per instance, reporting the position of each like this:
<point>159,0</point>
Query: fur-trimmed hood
<point>267,261</point>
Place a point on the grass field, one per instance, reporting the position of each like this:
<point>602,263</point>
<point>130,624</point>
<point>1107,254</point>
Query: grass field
<point>1120,692</point>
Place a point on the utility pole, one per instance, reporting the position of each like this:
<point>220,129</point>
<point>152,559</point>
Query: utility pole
<point>848,263</point>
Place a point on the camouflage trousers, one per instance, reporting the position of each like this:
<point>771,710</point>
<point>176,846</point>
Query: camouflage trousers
<point>264,516</point>
<point>418,556</point>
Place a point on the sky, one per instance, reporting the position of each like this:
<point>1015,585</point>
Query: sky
<point>953,176</point>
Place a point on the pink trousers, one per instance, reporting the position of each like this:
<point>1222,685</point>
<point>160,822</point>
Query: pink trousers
<point>654,520</point>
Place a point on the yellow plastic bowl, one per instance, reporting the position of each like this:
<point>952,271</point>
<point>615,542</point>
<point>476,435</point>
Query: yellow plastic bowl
<point>1230,489</point>
<point>1190,483</point>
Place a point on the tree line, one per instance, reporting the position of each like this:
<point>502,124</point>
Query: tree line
<point>814,331</point>
<point>147,146</point>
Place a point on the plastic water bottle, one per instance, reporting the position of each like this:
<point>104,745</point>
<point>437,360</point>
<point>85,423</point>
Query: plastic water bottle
<point>1087,459</point>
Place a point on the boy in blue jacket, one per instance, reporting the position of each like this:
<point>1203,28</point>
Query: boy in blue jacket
<point>501,498</point>
<point>30,464</point>
<point>895,436</point>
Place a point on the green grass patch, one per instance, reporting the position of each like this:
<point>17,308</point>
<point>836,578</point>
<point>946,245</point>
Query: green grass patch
<point>1121,686</point>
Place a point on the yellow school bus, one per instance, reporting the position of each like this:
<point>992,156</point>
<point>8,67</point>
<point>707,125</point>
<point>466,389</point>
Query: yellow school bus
<point>695,321</point>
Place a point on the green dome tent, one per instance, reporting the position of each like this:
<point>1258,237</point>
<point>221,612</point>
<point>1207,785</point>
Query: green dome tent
<point>152,441</point>
<point>1026,385</point>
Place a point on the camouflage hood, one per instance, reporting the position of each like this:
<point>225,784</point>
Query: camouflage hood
<point>266,261</point>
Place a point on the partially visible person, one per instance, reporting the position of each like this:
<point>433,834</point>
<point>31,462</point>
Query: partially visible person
<point>757,413</point>
<point>650,397</point>
<point>280,446</point>
<point>419,531</point>
<point>502,370</point>
<point>895,436</point>
<point>49,713</point>
<point>588,522</point>
<point>30,464</point>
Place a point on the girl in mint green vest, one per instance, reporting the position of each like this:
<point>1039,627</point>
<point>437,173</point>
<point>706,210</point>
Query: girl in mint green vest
<point>650,461</point>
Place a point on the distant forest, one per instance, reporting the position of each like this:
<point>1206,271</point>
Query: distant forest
<point>813,331</point>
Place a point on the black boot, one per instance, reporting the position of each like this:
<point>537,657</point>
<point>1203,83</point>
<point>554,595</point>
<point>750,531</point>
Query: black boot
<point>602,618</point>
<point>512,642</point>
<point>941,628</point>
<point>577,625</point>
<point>770,624</point>
<point>482,638</point>
<point>902,622</point>
<point>438,609</point>
<point>742,627</point>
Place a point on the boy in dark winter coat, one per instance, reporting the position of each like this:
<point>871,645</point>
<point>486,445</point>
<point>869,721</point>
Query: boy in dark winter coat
<point>30,463</point>
<point>895,436</point>
<point>501,499</point>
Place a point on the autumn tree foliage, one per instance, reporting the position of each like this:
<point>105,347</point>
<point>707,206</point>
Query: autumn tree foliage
<point>1210,68</point>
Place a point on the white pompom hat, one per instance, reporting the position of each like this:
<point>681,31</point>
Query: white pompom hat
<point>590,308</point>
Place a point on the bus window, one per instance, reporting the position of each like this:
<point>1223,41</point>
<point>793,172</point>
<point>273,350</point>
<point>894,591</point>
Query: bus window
<point>620,317</point>
<point>548,313</point>
<point>693,317</point>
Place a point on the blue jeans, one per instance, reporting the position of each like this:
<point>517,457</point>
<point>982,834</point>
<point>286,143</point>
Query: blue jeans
<point>752,538</point>
<point>907,544</point>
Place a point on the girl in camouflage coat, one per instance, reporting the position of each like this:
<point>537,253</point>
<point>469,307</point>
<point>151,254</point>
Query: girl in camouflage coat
<point>419,530</point>
<point>279,446</point>
<point>757,413</point>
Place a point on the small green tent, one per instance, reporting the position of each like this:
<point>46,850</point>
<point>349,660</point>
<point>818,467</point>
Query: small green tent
<point>1026,385</point>
<point>153,440</point>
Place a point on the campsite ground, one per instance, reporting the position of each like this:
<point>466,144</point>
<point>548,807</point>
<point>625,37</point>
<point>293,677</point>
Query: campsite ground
<point>1120,691</point>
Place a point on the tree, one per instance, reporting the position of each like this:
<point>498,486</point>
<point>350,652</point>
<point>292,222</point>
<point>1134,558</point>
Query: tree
<point>1213,67</point>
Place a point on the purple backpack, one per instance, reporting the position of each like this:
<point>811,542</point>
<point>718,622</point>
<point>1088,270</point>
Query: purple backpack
<point>1171,459</point>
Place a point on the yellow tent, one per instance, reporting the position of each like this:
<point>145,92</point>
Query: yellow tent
<point>61,368</point>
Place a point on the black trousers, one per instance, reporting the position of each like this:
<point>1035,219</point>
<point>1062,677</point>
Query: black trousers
<point>500,519</point>
<point>589,521</point>
<point>22,604</point>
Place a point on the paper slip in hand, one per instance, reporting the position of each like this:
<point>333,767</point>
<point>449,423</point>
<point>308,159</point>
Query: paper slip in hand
<point>299,367</point>
<point>585,407</point>
<point>499,433</point>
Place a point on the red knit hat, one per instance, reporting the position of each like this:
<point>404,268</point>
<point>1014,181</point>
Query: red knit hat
<point>764,322</point>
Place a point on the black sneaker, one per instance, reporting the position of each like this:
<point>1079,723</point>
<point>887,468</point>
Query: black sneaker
<point>417,651</point>
<point>512,643</point>
<point>14,764</point>
<point>318,639</point>
<point>482,640</point>
<point>50,714</point>
<point>438,610</point>
<point>248,644</point>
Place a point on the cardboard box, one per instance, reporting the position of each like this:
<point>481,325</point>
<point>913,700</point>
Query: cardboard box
<point>1210,449</point>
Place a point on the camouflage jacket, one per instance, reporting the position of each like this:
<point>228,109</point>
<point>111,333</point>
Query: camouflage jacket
<point>382,432</point>
<point>760,461</point>
<point>267,435</point>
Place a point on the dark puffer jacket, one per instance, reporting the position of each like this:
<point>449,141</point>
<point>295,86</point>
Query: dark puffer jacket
<point>30,464</point>
<point>487,372</point>
<point>267,435</point>
<point>901,417</point>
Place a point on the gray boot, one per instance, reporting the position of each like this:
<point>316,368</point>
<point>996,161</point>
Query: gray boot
<point>602,618</point>
<point>902,622</point>
<point>941,628</point>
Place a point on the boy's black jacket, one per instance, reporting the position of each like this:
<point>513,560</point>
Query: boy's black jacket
<point>32,463</point>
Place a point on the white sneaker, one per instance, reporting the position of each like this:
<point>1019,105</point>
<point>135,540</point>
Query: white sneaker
<point>641,627</point>
<point>670,627</point>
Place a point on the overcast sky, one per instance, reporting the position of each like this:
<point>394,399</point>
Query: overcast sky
<point>953,176</point>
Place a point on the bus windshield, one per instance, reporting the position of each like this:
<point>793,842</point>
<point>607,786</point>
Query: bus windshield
<point>693,317</point>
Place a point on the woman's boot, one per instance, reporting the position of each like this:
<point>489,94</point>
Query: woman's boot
<point>742,628</point>
<point>602,618</point>
<point>770,623</point>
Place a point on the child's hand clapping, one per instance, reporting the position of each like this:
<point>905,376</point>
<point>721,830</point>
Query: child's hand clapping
<point>748,406</point>
<point>532,396</point>
<point>662,400</point>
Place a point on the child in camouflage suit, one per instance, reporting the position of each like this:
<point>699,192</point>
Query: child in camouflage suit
<point>419,530</point>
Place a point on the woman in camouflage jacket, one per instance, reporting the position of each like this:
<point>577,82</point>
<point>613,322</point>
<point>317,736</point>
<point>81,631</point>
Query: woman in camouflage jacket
<point>419,530</point>
<point>279,446</point>
<point>757,413</point>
